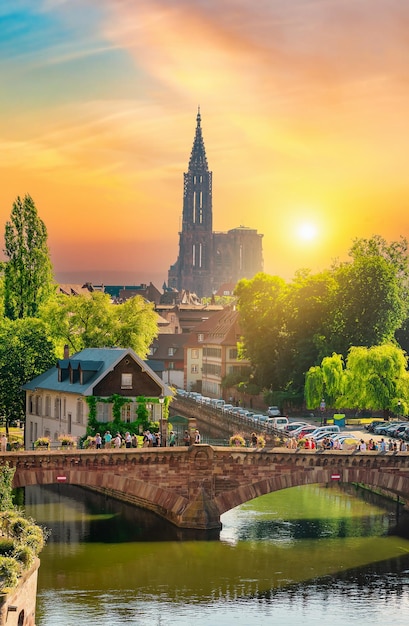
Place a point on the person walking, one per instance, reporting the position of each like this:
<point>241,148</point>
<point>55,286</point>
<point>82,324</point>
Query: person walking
<point>128,440</point>
<point>98,441</point>
<point>3,442</point>
<point>186,438</point>
<point>172,439</point>
<point>197,436</point>
<point>118,441</point>
<point>107,439</point>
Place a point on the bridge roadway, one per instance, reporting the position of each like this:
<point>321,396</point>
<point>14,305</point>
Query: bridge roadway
<point>192,486</point>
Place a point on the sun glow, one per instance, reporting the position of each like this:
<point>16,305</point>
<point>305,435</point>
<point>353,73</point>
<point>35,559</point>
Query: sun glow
<point>307,231</point>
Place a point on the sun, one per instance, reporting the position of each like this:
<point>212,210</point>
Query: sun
<point>307,231</point>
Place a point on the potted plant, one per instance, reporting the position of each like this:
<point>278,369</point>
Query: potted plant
<point>237,441</point>
<point>67,441</point>
<point>42,442</point>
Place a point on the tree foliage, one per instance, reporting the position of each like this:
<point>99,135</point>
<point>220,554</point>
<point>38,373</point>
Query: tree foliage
<point>368,304</point>
<point>262,322</point>
<point>25,352</point>
<point>290,327</point>
<point>28,280</point>
<point>92,321</point>
<point>374,378</point>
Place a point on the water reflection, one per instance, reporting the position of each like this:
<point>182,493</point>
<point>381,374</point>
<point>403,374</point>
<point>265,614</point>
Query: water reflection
<point>287,558</point>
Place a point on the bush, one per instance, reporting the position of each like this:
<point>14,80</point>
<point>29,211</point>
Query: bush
<point>10,570</point>
<point>24,555</point>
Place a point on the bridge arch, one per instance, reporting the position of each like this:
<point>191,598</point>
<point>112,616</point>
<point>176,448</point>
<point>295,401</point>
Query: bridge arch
<point>193,486</point>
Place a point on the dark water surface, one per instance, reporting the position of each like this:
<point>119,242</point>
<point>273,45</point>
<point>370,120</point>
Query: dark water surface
<point>302,556</point>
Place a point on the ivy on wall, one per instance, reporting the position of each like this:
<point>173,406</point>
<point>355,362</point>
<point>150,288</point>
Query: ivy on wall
<point>118,401</point>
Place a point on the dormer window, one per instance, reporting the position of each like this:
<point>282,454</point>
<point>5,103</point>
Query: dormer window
<point>200,337</point>
<point>171,351</point>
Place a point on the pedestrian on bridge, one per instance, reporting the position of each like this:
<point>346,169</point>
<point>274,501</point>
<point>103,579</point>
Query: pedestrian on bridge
<point>107,439</point>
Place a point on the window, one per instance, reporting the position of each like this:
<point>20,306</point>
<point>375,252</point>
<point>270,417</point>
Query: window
<point>171,365</point>
<point>80,411</point>
<point>195,353</point>
<point>171,351</point>
<point>104,410</point>
<point>57,408</point>
<point>38,405</point>
<point>200,337</point>
<point>48,406</point>
<point>31,405</point>
<point>233,353</point>
<point>126,381</point>
<point>126,412</point>
<point>194,369</point>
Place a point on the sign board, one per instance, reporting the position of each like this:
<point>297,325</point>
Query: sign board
<point>61,479</point>
<point>335,476</point>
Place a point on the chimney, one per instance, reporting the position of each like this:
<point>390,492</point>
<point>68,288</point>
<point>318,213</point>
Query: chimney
<point>66,351</point>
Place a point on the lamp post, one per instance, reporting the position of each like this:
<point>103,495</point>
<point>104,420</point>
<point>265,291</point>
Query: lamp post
<point>161,429</point>
<point>399,405</point>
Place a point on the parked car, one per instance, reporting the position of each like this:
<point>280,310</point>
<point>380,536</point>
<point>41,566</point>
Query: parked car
<point>324,430</point>
<point>397,430</point>
<point>291,426</point>
<point>387,428</point>
<point>226,408</point>
<point>302,431</point>
<point>273,411</point>
<point>260,418</point>
<point>372,425</point>
<point>278,422</point>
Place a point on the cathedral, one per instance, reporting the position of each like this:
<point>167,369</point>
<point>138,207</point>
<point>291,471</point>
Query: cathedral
<point>207,259</point>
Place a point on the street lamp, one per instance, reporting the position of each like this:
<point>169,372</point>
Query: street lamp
<point>162,433</point>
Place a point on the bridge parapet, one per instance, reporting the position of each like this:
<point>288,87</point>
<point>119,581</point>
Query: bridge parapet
<point>192,487</point>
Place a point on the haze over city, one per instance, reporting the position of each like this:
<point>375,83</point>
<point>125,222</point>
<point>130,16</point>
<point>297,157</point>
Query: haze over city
<point>304,115</point>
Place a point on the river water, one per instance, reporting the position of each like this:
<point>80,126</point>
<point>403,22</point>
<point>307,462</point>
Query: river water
<point>302,556</point>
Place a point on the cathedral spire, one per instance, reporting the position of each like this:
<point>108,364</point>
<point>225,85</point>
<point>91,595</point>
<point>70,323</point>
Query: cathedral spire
<point>198,158</point>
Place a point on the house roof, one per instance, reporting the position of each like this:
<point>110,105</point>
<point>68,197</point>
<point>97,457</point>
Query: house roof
<point>98,362</point>
<point>222,328</point>
<point>163,342</point>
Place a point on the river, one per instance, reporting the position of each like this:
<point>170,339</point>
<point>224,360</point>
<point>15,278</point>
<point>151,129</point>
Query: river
<point>301,556</point>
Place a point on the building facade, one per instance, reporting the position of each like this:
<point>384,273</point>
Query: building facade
<point>212,353</point>
<point>208,259</point>
<point>56,400</point>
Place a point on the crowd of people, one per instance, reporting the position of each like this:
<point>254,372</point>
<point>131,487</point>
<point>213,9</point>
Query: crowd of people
<point>150,439</point>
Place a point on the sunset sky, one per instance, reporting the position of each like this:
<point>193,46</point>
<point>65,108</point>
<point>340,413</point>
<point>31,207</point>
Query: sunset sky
<point>305,118</point>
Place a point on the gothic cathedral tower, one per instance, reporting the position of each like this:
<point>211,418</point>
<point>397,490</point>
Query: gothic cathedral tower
<point>193,269</point>
<point>207,260</point>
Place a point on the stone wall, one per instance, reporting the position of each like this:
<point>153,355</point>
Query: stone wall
<point>18,607</point>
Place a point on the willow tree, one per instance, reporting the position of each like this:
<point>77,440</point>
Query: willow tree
<point>28,278</point>
<point>332,368</point>
<point>376,378</point>
<point>314,387</point>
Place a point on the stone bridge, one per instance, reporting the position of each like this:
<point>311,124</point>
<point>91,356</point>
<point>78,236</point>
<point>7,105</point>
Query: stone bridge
<point>192,486</point>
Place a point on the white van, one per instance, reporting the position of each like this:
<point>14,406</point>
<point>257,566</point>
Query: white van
<point>278,422</point>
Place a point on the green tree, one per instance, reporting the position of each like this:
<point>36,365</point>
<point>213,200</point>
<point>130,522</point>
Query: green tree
<point>92,321</point>
<point>260,302</point>
<point>376,378</point>
<point>307,306</point>
<point>368,304</point>
<point>28,280</point>
<point>25,352</point>
<point>314,387</point>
